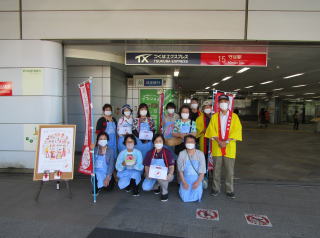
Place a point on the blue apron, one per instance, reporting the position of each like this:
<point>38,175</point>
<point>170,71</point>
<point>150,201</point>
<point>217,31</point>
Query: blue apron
<point>101,169</point>
<point>121,146</point>
<point>144,147</point>
<point>185,128</point>
<point>111,131</point>
<point>149,183</point>
<point>126,175</point>
<point>190,176</point>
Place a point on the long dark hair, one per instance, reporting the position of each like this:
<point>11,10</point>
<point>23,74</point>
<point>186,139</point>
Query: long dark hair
<point>101,134</point>
<point>142,105</point>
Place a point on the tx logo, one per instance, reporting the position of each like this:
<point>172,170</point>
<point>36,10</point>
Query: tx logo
<point>143,58</point>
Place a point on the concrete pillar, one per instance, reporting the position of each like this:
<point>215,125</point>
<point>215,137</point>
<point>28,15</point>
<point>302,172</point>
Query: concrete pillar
<point>35,69</point>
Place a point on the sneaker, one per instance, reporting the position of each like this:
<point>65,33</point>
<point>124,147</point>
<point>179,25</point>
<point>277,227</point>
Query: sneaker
<point>135,192</point>
<point>214,193</point>
<point>231,195</point>
<point>164,197</point>
<point>156,191</point>
<point>128,189</point>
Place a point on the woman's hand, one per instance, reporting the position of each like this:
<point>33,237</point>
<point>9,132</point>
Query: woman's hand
<point>124,163</point>
<point>195,185</point>
<point>185,185</point>
<point>106,181</point>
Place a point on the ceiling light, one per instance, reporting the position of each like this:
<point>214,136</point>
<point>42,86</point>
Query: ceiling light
<point>251,86</point>
<point>294,75</point>
<point>299,86</point>
<point>266,82</point>
<point>309,100</point>
<point>207,87</point>
<point>215,84</point>
<point>259,93</point>
<point>236,90</point>
<point>290,95</point>
<point>176,73</point>
<point>277,89</point>
<point>226,78</point>
<point>243,70</point>
<point>309,93</point>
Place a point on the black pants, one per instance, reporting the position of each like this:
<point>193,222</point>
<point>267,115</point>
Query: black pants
<point>296,125</point>
<point>133,186</point>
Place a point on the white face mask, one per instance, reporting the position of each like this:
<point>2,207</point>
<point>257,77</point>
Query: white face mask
<point>185,116</point>
<point>224,106</point>
<point>207,111</point>
<point>158,146</point>
<point>127,113</point>
<point>108,113</point>
<point>102,142</point>
<point>143,112</point>
<point>130,146</point>
<point>170,110</point>
<point>190,146</point>
<point>194,105</point>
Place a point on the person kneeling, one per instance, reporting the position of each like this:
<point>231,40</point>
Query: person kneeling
<point>129,166</point>
<point>159,168</point>
<point>191,167</point>
<point>103,163</point>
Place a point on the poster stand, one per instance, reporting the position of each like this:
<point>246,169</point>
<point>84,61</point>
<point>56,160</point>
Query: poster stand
<point>37,195</point>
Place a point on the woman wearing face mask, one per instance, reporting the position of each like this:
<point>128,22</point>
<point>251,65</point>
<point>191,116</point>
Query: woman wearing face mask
<point>195,112</point>
<point>183,127</point>
<point>108,124</point>
<point>143,128</point>
<point>191,167</point>
<point>202,124</point>
<point>159,156</point>
<point>124,125</point>
<point>129,166</point>
<point>103,163</point>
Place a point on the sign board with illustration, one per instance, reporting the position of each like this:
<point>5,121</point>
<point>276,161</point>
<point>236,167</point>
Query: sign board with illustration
<point>55,152</point>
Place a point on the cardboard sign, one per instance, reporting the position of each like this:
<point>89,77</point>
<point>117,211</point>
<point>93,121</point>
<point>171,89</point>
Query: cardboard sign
<point>207,214</point>
<point>145,135</point>
<point>130,160</point>
<point>55,152</point>
<point>258,220</point>
<point>158,172</point>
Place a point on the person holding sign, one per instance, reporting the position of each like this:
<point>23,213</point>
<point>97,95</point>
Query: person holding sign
<point>143,129</point>
<point>191,167</point>
<point>108,124</point>
<point>159,168</point>
<point>183,127</point>
<point>224,130</point>
<point>129,166</point>
<point>124,125</point>
<point>103,163</point>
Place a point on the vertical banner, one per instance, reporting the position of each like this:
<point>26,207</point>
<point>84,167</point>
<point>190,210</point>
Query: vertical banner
<point>161,97</point>
<point>86,166</point>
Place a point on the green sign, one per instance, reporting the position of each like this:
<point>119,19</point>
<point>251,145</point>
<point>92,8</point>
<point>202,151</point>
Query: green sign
<point>152,99</point>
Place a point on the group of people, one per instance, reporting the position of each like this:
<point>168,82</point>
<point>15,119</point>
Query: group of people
<point>131,151</point>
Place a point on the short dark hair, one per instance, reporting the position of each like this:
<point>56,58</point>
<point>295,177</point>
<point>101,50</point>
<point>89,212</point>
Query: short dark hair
<point>105,106</point>
<point>156,136</point>
<point>171,105</point>
<point>184,106</point>
<point>195,99</point>
<point>131,137</point>
<point>142,105</point>
<point>101,134</point>
<point>189,136</point>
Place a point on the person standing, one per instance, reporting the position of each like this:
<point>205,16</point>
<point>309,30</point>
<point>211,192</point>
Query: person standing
<point>296,120</point>
<point>108,124</point>
<point>224,130</point>
<point>125,124</point>
<point>195,112</point>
